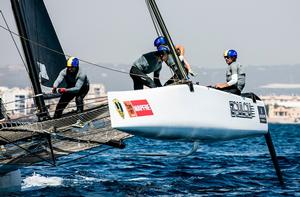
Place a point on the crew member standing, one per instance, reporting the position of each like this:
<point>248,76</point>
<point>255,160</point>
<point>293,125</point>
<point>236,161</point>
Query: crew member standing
<point>235,75</point>
<point>77,86</point>
<point>148,63</point>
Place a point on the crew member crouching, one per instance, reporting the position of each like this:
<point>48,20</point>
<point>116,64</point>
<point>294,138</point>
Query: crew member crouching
<point>150,63</point>
<point>77,86</point>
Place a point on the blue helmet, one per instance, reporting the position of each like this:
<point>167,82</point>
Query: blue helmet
<point>73,62</point>
<point>160,41</point>
<point>230,53</point>
<point>163,48</point>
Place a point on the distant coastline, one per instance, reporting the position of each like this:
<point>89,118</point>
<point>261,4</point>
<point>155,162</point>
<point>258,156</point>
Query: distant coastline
<point>283,109</point>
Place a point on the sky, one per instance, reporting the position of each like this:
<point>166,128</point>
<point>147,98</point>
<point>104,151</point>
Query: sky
<point>264,32</point>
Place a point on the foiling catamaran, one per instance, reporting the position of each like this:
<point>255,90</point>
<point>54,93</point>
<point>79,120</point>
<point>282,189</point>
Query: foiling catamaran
<point>46,139</point>
<point>186,111</point>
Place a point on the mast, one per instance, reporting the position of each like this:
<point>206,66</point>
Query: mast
<point>33,73</point>
<point>166,34</point>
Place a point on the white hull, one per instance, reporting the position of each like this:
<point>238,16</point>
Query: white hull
<point>176,113</point>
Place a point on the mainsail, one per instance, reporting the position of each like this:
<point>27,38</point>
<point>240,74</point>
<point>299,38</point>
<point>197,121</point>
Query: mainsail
<point>47,52</point>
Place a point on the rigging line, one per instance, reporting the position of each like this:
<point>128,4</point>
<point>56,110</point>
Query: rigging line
<point>15,43</point>
<point>166,33</point>
<point>156,22</point>
<point>66,55</point>
<point>158,32</point>
<point>103,98</point>
<point>32,115</point>
<point>52,50</point>
<point>31,97</point>
<point>32,153</point>
<point>72,102</point>
<point>74,106</point>
<point>33,42</point>
<point>27,98</point>
<point>26,116</point>
<point>18,109</point>
<point>84,156</point>
<point>78,139</point>
<point>68,107</point>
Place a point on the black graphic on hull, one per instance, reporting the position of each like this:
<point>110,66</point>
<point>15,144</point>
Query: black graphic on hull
<point>262,114</point>
<point>241,110</point>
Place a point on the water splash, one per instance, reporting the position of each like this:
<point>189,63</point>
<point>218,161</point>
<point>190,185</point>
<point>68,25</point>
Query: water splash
<point>36,181</point>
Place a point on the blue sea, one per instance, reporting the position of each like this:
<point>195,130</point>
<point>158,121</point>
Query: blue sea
<point>237,167</point>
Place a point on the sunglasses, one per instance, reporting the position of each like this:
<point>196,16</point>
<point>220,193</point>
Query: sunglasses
<point>226,57</point>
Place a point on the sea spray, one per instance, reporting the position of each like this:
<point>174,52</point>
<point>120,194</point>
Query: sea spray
<point>37,181</point>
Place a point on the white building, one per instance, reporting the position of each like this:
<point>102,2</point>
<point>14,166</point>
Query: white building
<point>283,109</point>
<point>16,101</point>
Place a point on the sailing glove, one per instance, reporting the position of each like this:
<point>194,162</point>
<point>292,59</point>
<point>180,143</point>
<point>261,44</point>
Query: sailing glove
<point>62,90</point>
<point>54,90</point>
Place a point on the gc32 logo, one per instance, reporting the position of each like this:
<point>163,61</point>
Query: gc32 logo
<point>241,109</point>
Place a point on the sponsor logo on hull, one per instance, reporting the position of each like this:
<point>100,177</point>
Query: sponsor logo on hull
<point>241,109</point>
<point>138,108</point>
<point>119,108</point>
<point>262,114</point>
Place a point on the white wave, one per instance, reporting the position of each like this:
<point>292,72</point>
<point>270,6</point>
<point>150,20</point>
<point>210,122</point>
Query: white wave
<point>36,181</point>
<point>85,179</point>
<point>88,179</point>
<point>138,179</point>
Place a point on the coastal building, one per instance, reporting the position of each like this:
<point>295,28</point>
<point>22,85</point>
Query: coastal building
<point>283,109</point>
<point>16,101</point>
<point>96,94</point>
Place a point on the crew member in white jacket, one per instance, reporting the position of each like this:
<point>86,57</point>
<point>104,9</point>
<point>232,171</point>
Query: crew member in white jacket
<point>235,75</point>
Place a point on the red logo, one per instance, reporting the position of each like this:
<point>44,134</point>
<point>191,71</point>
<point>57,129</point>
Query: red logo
<point>138,108</point>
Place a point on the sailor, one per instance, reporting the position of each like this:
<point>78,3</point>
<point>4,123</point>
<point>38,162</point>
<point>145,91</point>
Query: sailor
<point>180,52</point>
<point>77,86</point>
<point>148,63</point>
<point>235,75</point>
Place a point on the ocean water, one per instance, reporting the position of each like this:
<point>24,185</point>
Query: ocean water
<point>237,167</point>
